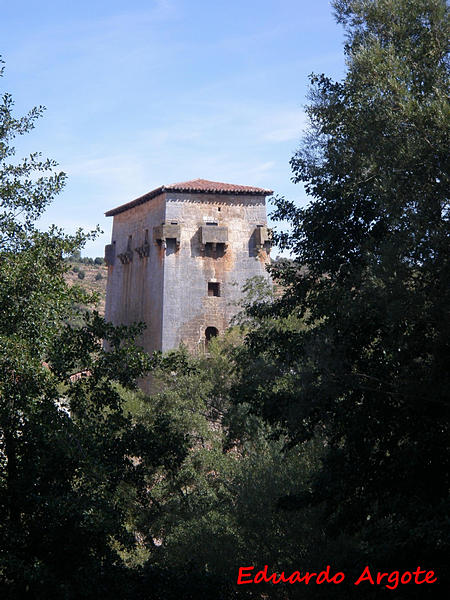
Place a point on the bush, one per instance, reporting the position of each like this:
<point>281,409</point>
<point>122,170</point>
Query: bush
<point>81,274</point>
<point>75,256</point>
<point>98,277</point>
<point>98,260</point>
<point>75,269</point>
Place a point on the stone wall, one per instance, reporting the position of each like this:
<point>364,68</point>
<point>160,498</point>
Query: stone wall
<point>135,289</point>
<point>165,282</point>
<point>187,308</point>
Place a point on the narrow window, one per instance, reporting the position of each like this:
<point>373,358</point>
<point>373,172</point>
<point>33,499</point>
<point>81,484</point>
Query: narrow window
<point>210,333</point>
<point>219,209</point>
<point>213,288</point>
<point>212,223</point>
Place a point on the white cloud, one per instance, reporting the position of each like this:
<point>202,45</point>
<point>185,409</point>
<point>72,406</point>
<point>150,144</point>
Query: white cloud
<point>284,126</point>
<point>117,171</point>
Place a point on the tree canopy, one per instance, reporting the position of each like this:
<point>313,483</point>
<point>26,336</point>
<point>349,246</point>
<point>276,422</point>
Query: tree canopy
<point>315,432</point>
<point>370,368</point>
<point>71,459</point>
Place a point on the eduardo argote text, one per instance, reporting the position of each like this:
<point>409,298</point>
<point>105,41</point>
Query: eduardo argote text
<point>367,576</point>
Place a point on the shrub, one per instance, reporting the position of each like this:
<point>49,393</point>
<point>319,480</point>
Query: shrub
<point>81,274</point>
<point>98,277</point>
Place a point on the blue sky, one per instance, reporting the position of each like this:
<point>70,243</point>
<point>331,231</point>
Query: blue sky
<point>141,94</point>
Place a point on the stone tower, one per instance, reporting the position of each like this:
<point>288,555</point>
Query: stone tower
<point>179,257</point>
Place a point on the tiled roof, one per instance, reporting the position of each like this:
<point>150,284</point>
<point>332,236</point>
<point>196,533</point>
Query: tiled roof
<point>203,185</point>
<point>194,186</point>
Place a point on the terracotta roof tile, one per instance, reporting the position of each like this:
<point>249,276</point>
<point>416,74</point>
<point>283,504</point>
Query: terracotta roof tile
<point>203,185</point>
<point>193,186</point>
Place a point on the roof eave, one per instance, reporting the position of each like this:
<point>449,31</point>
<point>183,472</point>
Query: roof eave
<point>162,189</point>
<point>138,201</point>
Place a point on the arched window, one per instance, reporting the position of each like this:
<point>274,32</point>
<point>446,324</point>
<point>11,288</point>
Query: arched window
<point>210,332</point>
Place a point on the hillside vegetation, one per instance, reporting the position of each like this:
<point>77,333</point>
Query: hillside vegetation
<point>91,275</point>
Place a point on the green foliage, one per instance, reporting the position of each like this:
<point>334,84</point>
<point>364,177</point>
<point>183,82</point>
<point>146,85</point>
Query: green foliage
<point>81,274</point>
<point>370,279</point>
<point>256,291</point>
<point>71,461</point>
<point>221,507</point>
<point>314,432</point>
<point>76,257</point>
<point>98,277</point>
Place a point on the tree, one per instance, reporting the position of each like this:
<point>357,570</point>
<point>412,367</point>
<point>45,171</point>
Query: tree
<point>220,508</point>
<point>370,369</point>
<point>71,460</point>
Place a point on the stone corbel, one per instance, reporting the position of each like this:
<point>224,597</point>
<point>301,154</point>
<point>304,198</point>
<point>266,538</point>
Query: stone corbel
<point>144,250</point>
<point>167,231</point>
<point>263,238</point>
<point>214,235</point>
<point>126,257</point>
